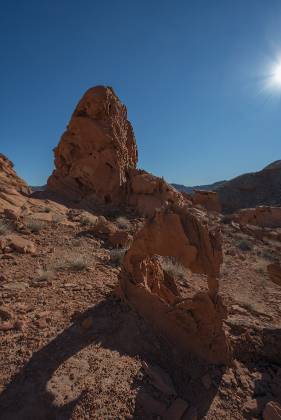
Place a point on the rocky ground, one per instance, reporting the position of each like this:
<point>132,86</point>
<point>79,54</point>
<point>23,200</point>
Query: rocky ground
<point>71,349</point>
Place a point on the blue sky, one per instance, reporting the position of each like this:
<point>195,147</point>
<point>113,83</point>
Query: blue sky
<point>191,73</point>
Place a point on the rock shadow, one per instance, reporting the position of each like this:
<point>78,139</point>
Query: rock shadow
<point>114,326</point>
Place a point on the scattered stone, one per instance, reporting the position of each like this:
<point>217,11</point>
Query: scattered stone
<point>7,325</point>
<point>19,244</point>
<point>5,313</point>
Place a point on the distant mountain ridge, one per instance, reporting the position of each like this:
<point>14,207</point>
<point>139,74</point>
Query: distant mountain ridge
<point>207,187</point>
<point>247,190</point>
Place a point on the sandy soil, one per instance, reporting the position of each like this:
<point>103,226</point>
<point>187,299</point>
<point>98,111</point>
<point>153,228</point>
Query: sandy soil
<point>75,351</point>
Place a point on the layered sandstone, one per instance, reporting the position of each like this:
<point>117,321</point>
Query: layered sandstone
<point>192,322</point>
<point>208,199</point>
<point>13,189</point>
<point>146,192</point>
<point>96,151</point>
<point>16,200</point>
<point>262,216</point>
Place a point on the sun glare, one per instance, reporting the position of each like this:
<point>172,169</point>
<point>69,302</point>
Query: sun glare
<point>276,76</point>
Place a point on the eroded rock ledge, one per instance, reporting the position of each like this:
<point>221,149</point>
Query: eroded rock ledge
<point>194,321</point>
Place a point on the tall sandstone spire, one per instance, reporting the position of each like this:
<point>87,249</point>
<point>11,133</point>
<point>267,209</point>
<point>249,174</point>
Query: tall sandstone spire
<point>96,151</point>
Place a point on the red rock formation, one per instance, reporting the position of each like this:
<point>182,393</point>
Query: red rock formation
<point>12,187</point>
<point>15,199</point>
<point>9,179</point>
<point>208,199</point>
<point>97,155</point>
<point>96,151</point>
<point>147,192</point>
<point>262,216</point>
<point>193,322</point>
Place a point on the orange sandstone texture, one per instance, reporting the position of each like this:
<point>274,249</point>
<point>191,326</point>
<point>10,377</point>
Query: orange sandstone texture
<point>96,151</point>
<point>97,155</point>
<point>208,199</point>
<point>12,187</point>
<point>193,322</point>
<point>263,216</point>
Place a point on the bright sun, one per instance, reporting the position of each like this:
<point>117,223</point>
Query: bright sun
<point>276,75</point>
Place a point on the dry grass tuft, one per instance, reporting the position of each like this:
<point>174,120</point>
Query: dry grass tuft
<point>117,255</point>
<point>34,225</point>
<point>76,263</point>
<point>173,267</point>
<point>88,220</point>
<point>5,227</point>
<point>45,274</point>
<point>123,223</point>
<point>57,218</point>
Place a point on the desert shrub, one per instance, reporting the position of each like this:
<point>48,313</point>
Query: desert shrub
<point>267,254</point>
<point>46,210</point>
<point>5,227</point>
<point>79,263</point>
<point>117,255</point>
<point>123,223</point>
<point>172,267</point>
<point>76,263</point>
<point>57,218</point>
<point>88,220</point>
<point>45,274</point>
<point>245,245</point>
<point>34,225</point>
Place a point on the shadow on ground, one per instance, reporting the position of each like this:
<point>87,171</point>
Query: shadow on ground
<point>115,327</point>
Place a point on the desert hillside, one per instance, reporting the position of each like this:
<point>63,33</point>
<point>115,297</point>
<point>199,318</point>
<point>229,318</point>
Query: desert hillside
<point>123,298</point>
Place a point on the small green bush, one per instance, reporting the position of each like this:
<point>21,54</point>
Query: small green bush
<point>245,245</point>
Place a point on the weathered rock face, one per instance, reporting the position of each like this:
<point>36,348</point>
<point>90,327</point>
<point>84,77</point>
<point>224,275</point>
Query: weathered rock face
<point>15,199</point>
<point>193,322</point>
<point>96,151</point>
<point>147,192</point>
<point>9,179</point>
<point>12,187</point>
<point>208,199</point>
<point>262,216</point>
<point>97,156</point>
